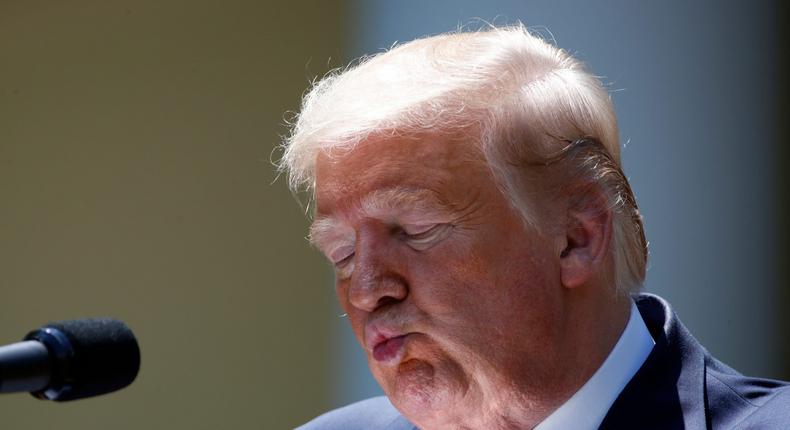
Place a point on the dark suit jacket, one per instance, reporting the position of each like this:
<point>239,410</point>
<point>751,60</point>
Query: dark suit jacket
<point>680,386</point>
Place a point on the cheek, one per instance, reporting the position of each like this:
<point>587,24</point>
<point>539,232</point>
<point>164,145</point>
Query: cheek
<point>485,293</point>
<point>354,316</point>
<point>341,291</point>
<point>457,295</point>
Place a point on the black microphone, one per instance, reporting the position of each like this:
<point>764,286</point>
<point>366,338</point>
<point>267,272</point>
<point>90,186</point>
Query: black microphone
<point>69,360</point>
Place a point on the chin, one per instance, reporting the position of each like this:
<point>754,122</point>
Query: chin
<point>423,391</point>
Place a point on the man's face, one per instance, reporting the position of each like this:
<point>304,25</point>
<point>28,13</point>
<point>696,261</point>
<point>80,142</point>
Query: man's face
<point>446,289</point>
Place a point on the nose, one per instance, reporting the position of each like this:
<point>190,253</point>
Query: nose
<point>377,279</point>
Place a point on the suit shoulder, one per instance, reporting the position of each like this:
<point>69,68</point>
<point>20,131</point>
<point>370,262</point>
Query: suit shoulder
<point>772,414</point>
<point>738,401</point>
<point>750,390</point>
<point>373,413</point>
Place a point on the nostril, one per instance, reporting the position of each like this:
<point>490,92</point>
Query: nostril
<point>386,300</point>
<point>374,284</point>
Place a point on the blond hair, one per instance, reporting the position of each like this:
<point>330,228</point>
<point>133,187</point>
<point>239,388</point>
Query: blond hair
<point>525,103</point>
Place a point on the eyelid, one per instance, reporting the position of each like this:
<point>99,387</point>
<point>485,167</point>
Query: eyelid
<point>428,236</point>
<point>417,229</point>
<point>345,267</point>
<point>340,254</point>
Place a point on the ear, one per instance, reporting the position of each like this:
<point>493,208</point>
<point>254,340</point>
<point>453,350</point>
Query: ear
<point>588,231</point>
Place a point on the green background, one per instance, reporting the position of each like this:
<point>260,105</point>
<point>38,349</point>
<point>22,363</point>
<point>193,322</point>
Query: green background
<point>136,180</point>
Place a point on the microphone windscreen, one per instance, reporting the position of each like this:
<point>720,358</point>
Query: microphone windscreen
<point>106,356</point>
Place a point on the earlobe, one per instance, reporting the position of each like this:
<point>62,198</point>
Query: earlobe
<point>587,240</point>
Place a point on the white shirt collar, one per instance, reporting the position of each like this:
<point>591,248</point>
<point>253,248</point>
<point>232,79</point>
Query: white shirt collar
<point>587,408</point>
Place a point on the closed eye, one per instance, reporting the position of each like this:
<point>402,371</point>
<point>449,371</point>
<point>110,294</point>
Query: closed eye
<point>424,237</point>
<point>345,267</point>
<point>345,260</point>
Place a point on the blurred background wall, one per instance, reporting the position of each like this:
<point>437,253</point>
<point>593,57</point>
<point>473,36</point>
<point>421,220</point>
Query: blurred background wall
<point>135,182</point>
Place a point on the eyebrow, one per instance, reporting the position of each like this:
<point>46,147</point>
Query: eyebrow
<point>400,199</point>
<point>321,230</point>
<point>378,204</point>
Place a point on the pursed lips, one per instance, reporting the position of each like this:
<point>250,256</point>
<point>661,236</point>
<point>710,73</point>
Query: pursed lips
<point>385,343</point>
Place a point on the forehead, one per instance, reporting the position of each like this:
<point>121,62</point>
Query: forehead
<point>395,172</point>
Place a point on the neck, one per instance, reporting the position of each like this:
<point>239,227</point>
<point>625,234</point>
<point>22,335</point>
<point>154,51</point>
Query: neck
<point>595,321</point>
<point>588,327</point>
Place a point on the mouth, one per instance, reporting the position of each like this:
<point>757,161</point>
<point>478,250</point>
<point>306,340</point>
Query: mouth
<point>389,350</point>
<point>385,342</point>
